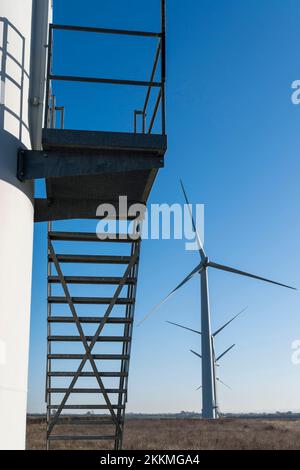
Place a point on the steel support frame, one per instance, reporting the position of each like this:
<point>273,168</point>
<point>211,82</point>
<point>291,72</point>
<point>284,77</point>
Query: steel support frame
<point>36,164</point>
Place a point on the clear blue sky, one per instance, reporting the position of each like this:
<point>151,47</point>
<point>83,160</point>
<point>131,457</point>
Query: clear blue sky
<point>234,137</point>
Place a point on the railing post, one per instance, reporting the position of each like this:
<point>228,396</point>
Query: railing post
<point>135,124</point>
<point>53,112</point>
<point>136,114</point>
<point>163,64</point>
<point>61,110</point>
<point>49,67</point>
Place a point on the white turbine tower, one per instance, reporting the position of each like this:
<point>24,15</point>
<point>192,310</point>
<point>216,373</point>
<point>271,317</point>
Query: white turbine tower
<point>208,395</point>
<point>23,40</point>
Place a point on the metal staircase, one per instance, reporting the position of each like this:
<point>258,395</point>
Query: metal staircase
<point>91,374</point>
<point>91,292</point>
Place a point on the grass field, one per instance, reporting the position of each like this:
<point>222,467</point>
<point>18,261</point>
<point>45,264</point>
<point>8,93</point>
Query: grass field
<point>189,434</point>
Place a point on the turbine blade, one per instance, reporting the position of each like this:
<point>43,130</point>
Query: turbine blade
<point>196,354</point>
<point>199,388</point>
<point>225,352</point>
<point>185,280</point>
<point>199,242</point>
<point>243,273</point>
<point>228,323</point>
<point>223,383</point>
<point>184,327</point>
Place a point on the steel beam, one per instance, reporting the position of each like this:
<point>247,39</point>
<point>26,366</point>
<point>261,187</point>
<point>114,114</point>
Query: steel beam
<point>64,209</point>
<point>88,29</point>
<point>99,140</point>
<point>111,81</point>
<point>35,164</point>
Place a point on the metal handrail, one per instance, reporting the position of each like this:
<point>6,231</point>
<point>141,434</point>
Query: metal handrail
<point>160,54</point>
<point>112,81</point>
<point>157,56</point>
<point>89,29</point>
<point>158,100</point>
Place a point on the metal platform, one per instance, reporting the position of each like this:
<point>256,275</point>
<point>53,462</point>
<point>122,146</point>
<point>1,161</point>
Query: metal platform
<point>86,168</point>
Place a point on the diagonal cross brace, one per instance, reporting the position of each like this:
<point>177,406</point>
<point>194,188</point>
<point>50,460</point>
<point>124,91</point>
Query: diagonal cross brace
<point>88,348</point>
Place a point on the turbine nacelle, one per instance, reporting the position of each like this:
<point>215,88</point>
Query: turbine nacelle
<point>204,264</point>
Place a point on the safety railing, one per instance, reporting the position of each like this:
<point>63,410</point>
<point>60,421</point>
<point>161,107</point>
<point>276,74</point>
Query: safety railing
<point>160,57</point>
<point>53,110</point>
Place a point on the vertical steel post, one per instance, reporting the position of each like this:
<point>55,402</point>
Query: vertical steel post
<point>3,64</point>
<point>208,402</point>
<point>53,112</point>
<point>49,67</point>
<point>163,65</point>
<point>135,123</point>
<point>49,349</point>
<point>62,117</point>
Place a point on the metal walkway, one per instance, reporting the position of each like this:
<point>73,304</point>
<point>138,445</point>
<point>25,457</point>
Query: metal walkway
<point>83,168</point>
<point>89,379</point>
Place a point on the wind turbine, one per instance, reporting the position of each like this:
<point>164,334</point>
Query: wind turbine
<point>208,394</point>
<point>216,379</point>
<point>215,358</point>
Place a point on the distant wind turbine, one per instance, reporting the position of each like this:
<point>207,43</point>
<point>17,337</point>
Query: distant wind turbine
<point>215,359</point>
<point>208,393</point>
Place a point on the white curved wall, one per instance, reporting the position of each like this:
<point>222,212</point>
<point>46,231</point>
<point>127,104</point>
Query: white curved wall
<point>16,219</point>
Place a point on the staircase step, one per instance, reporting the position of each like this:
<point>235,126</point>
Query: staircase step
<point>99,259</point>
<point>112,339</point>
<point>81,438</point>
<point>89,237</point>
<point>84,422</point>
<point>102,357</point>
<point>96,320</point>
<point>86,407</point>
<point>87,374</point>
<point>104,280</point>
<point>90,300</point>
<point>85,390</point>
